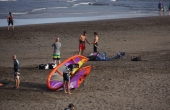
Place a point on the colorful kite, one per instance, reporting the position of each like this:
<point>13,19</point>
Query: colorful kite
<point>55,78</point>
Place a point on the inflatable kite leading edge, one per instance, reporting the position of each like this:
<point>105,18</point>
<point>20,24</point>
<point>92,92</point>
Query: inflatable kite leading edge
<point>55,77</point>
<point>78,78</point>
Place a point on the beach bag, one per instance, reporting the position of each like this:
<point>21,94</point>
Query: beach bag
<point>102,56</point>
<point>93,56</point>
<point>52,65</point>
<point>120,55</point>
<point>43,66</point>
<point>136,59</point>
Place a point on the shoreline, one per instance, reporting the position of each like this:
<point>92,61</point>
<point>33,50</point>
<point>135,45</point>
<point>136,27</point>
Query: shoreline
<point>20,22</point>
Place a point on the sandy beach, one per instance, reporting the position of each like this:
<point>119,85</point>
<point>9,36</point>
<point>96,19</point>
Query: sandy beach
<point>112,85</point>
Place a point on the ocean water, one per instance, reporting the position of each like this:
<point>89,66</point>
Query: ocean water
<point>48,11</point>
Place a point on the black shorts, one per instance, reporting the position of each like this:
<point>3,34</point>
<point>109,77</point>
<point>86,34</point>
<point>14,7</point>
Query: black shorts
<point>95,47</point>
<point>10,22</point>
<point>66,77</point>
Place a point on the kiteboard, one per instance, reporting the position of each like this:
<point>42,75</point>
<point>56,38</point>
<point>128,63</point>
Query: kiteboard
<point>55,77</point>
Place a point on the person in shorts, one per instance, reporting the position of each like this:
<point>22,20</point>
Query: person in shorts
<point>169,8</point>
<point>95,42</point>
<point>16,72</point>
<point>67,73</point>
<point>10,20</point>
<point>56,53</point>
<point>82,41</point>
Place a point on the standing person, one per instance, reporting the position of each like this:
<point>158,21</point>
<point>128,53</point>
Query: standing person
<point>66,76</point>
<point>169,8</point>
<point>82,40</point>
<point>56,54</point>
<point>66,80</point>
<point>10,20</point>
<point>16,71</point>
<point>95,43</point>
<point>160,7</point>
<point>163,9</point>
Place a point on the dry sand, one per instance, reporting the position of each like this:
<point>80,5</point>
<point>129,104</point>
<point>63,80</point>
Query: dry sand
<point>111,85</point>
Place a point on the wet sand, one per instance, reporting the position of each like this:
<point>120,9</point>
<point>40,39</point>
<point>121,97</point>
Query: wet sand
<point>111,85</point>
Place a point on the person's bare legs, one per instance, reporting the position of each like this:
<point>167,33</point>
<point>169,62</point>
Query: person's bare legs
<point>64,86</point>
<point>58,62</point>
<point>161,13</point>
<point>80,51</point>
<point>17,82</point>
<point>15,79</point>
<point>68,87</point>
<point>13,27</point>
<point>54,61</point>
<point>8,27</point>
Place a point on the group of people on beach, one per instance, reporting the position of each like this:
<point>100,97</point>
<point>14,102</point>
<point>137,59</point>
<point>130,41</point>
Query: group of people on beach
<point>82,40</point>
<point>66,78</point>
<point>56,59</point>
<point>68,70</point>
<point>161,8</point>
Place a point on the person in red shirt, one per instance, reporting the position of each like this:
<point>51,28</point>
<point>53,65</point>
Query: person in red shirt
<point>10,21</point>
